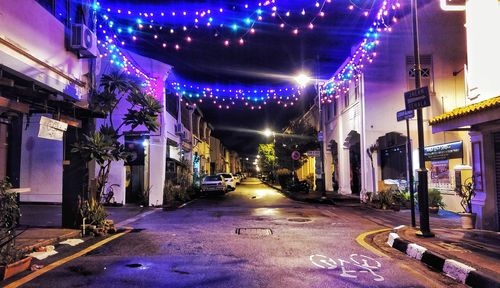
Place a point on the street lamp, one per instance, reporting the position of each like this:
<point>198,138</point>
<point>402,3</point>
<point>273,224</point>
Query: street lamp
<point>303,79</point>
<point>423,196</point>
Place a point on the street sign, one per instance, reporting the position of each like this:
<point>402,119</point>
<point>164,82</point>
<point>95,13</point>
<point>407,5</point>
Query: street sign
<point>418,98</point>
<point>320,136</point>
<point>295,155</point>
<point>314,153</point>
<point>405,115</point>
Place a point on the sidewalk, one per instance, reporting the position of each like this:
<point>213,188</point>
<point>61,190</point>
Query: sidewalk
<point>40,224</point>
<point>317,197</point>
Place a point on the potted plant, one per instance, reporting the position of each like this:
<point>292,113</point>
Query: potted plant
<point>284,177</point>
<point>467,193</point>
<point>435,201</point>
<point>12,260</point>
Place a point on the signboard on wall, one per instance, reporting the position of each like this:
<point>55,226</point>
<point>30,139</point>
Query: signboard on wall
<point>51,129</point>
<point>443,151</point>
<point>440,172</point>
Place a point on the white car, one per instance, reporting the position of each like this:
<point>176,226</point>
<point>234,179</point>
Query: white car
<point>214,184</point>
<point>229,179</point>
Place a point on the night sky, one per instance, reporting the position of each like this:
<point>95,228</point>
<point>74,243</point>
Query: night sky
<point>271,50</point>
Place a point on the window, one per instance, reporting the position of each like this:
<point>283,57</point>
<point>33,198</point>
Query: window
<point>346,99</point>
<point>172,104</point>
<point>335,106</point>
<point>356,91</point>
<point>425,72</point>
<point>64,10</point>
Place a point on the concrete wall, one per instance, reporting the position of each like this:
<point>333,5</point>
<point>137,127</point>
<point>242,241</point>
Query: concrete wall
<point>41,165</point>
<point>483,28</point>
<point>28,26</point>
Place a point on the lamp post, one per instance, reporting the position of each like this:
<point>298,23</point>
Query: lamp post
<point>302,79</point>
<point>423,196</point>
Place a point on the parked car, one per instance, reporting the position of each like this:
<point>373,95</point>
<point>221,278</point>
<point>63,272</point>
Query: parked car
<point>237,178</point>
<point>214,184</point>
<point>240,176</point>
<point>230,181</point>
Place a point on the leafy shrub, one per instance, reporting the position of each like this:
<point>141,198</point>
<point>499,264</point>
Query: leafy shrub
<point>93,212</point>
<point>9,217</point>
<point>435,198</point>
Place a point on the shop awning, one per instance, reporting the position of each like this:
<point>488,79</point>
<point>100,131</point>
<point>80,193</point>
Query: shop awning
<point>475,114</point>
<point>39,97</point>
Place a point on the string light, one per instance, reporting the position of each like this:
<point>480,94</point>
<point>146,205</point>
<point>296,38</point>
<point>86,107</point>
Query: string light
<point>339,83</point>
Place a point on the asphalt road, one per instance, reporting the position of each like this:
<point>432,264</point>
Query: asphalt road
<point>285,244</point>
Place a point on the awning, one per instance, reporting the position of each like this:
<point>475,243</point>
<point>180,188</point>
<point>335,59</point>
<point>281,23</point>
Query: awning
<point>40,97</point>
<point>479,113</point>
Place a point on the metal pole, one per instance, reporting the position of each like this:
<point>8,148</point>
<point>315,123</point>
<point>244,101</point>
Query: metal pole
<point>409,158</point>
<point>423,196</point>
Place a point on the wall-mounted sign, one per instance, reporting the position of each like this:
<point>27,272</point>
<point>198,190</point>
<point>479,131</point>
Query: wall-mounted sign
<point>443,151</point>
<point>51,129</point>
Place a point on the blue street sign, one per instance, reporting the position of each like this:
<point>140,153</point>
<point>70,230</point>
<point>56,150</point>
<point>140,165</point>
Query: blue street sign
<point>404,115</point>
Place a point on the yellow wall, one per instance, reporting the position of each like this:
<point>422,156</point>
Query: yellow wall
<point>307,169</point>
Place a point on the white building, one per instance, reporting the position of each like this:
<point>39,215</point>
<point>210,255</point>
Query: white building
<point>365,115</point>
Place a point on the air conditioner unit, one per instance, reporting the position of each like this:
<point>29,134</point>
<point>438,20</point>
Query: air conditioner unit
<point>178,129</point>
<point>183,135</point>
<point>84,41</point>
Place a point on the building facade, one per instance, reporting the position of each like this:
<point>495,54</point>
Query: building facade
<point>364,143</point>
<point>479,114</point>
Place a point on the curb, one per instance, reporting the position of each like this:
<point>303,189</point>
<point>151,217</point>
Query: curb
<point>454,269</point>
<point>51,241</point>
<point>307,200</point>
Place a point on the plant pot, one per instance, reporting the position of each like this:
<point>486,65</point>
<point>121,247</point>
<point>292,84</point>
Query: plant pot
<point>433,210</point>
<point>15,268</point>
<point>468,220</point>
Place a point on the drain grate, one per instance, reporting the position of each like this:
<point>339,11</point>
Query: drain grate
<point>254,231</point>
<point>134,265</point>
<point>300,220</point>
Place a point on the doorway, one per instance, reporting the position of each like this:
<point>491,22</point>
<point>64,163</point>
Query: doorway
<point>352,142</point>
<point>136,170</point>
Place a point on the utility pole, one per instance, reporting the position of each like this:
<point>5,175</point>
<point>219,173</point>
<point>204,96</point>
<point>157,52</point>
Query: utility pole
<point>423,196</point>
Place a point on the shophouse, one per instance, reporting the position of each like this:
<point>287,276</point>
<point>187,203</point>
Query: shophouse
<point>46,73</point>
<point>479,113</point>
<point>364,143</point>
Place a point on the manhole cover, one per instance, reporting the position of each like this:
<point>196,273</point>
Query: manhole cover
<point>134,265</point>
<point>254,231</point>
<point>301,220</point>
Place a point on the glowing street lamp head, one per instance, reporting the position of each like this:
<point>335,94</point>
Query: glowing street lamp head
<point>268,132</point>
<point>302,79</point>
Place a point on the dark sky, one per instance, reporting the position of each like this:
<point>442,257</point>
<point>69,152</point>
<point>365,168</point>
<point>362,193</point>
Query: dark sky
<point>270,50</point>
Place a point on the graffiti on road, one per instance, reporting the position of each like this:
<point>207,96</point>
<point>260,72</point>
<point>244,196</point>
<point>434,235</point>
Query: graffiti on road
<point>349,268</point>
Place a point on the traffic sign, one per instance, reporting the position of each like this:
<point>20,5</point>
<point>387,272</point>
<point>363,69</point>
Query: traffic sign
<point>418,98</point>
<point>405,115</point>
<point>295,155</point>
<point>320,136</point>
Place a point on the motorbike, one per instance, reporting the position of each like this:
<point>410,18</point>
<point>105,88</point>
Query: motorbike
<point>300,186</point>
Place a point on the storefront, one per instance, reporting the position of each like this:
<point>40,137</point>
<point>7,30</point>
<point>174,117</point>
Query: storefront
<point>482,120</point>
